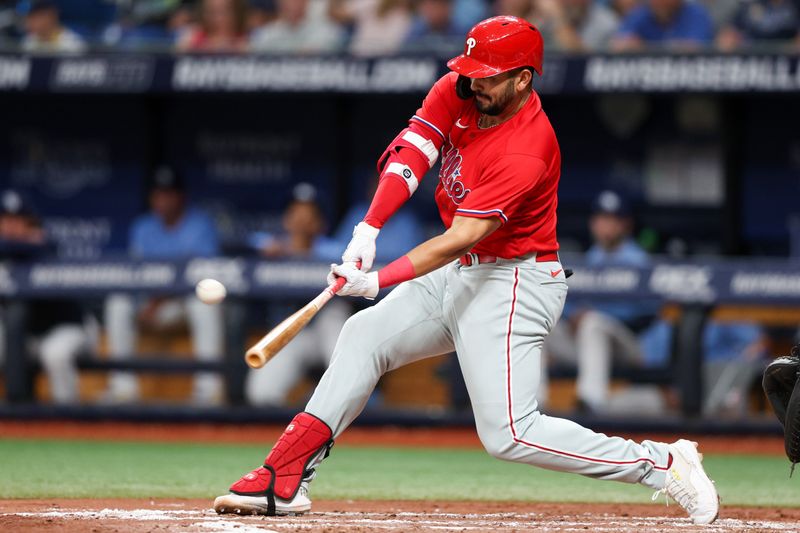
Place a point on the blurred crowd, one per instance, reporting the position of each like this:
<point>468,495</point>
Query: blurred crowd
<point>592,336</point>
<point>368,28</point>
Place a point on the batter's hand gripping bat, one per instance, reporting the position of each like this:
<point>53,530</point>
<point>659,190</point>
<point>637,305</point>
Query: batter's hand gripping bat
<point>270,344</point>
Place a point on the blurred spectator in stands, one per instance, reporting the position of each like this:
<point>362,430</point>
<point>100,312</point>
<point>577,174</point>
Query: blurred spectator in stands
<point>400,234</point>
<point>260,13</point>
<point>299,27</point>
<point>623,7</point>
<point>183,16</point>
<point>221,27</point>
<point>172,230</point>
<point>9,32</point>
<point>523,9</point>
<point>303,229</point>
<point>303,237</point>
<point>593,337</point>
<point>379,26</point>
<point>679,25</point>
<point>733,359</point>
<point>721,11</point>
<point>44,32</point>
<point>572,25</point>
<point>435,28</point>
<point>57,331</point>
<point>149,23</point>
<point>773,22</point>
<point>467,13</point>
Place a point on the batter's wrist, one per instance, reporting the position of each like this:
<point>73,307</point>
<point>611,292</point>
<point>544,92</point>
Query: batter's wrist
<point>397,271</point>
<point>373,286</point>
<point>367,230</point>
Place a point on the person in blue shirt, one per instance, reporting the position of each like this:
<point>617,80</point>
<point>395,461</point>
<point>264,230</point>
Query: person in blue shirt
<point>171,230</point>
<point>401,233</point>
<point>594,336</point>
<point>674,24</point>
<point>435,28</point>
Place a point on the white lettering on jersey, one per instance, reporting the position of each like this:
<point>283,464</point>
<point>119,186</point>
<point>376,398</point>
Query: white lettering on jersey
<point>449,175</point>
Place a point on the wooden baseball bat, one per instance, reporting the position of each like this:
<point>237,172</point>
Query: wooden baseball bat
<point>270,344</point>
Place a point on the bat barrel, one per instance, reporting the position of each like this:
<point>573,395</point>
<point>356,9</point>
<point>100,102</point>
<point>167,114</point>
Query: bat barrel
<point>260,353</point>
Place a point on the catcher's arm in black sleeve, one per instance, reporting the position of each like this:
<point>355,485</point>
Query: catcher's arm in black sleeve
<point>782,387</point>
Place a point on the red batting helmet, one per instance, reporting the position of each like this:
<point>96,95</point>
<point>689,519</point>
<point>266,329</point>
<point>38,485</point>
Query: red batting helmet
<point>497,45</point>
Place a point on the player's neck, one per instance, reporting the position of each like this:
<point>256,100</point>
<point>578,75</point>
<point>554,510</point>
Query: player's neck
<point>490,121</point>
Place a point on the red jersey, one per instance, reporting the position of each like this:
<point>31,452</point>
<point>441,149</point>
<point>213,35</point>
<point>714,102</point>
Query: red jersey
<point>509,171</point>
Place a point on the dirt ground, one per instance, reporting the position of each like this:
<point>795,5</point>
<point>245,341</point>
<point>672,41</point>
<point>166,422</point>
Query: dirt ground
<point>179,516</point>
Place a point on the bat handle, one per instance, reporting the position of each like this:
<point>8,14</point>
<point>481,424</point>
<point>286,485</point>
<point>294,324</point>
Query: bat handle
<point>339,283</point>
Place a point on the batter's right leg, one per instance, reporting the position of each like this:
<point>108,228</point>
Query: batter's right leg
<point>404,327</point>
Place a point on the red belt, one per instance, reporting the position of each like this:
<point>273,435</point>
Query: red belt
<point>479,259</point>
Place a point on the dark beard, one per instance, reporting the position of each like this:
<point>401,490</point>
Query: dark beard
<point>494,109</point>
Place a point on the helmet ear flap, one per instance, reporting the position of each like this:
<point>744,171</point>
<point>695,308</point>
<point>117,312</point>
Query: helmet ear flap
<point>463,89</point>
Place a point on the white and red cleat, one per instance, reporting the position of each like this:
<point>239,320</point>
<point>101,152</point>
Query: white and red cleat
<point>689,485</point>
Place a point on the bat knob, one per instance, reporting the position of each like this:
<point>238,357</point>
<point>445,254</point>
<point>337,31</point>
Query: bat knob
<point>254,359</point>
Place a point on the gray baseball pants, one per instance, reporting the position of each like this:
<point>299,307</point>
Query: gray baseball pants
<point>495,316</point>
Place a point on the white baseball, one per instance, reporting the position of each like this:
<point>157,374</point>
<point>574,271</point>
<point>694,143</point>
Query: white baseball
<point>210,291</point>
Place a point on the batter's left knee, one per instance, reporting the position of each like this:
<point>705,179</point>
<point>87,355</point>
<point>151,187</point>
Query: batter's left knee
<point>501,440</point>
<point>499,448</point>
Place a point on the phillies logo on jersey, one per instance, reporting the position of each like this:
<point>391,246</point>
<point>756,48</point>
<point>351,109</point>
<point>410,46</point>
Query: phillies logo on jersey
<point>450,173</point>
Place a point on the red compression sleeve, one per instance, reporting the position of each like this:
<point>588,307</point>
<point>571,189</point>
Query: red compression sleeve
<point>397,271</point>
<point>393,191</point>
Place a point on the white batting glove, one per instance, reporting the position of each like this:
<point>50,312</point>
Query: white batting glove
<point>359,283</point>
<point>362,246</point>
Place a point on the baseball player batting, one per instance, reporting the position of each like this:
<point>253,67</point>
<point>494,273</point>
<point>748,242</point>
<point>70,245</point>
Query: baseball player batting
<point>490,288</point>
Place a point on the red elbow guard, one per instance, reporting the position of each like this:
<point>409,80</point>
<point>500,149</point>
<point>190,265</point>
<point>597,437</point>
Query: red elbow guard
<point>399,180</point>
<point>402,165</point>
<point>418,140</point>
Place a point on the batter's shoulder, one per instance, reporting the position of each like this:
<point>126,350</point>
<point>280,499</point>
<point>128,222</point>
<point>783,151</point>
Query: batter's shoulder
<point>535,138</point>
<point>448,81</point>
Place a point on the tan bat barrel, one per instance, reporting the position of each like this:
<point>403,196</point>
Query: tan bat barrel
<point>270,344</point>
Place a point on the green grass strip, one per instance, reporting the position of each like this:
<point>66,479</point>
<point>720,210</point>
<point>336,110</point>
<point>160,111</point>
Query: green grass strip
<point>85,469</point>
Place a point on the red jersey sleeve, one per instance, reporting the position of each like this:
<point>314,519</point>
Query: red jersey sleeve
<point>502,188</point>
<point>440,108</point>
<point>415,150</point>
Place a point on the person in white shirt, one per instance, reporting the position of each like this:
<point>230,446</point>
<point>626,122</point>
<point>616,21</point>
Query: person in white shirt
<point>298,29</point>
<point>380,26</point>
<point>44,32</point>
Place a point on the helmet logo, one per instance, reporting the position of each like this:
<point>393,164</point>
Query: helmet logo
<point>471,42</point>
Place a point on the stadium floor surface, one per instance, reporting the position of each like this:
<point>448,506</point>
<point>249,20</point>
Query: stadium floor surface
<point>67,477</point>
<point>178,516</point>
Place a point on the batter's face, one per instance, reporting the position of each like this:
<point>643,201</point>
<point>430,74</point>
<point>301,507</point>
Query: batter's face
<point>497,94</point>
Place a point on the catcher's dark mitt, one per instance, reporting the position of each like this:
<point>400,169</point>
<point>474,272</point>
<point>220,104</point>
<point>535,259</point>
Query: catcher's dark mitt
<point>782,387</point>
